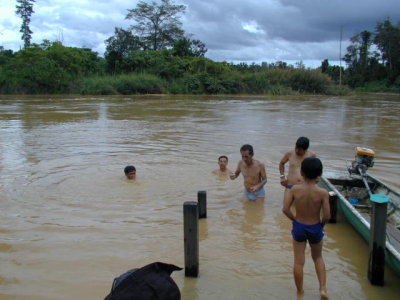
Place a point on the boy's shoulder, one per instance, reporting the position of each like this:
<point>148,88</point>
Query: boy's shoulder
<point>310,154</point>
<point>303,186</point>
<point>258,163</point>
<point>321,191</point>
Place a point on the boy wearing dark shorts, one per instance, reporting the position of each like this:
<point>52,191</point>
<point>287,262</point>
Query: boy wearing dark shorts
<point>309,200</point>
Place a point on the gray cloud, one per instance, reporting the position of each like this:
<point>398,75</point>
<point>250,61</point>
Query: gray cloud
<point>233,30</point>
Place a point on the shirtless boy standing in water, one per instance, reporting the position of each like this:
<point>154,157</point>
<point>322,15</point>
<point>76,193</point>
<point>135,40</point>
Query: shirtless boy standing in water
<point>295,158</point>
<point>254,174</point>
<point>309,200</point>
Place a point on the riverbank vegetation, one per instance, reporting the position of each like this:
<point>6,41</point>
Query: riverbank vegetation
<point>151,57</point>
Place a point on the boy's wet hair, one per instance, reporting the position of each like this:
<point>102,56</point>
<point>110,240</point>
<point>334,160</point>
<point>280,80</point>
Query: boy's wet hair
<point>129,169</point>
<point>223,156</point>
<point>303,143</point>
<point>311,167</point>
<point>247,147</point>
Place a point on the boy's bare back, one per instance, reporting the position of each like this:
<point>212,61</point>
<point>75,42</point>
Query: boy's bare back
<point>309,199</point>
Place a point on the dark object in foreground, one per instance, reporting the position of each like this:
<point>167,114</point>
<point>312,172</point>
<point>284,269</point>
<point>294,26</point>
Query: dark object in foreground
<point>150,282</point>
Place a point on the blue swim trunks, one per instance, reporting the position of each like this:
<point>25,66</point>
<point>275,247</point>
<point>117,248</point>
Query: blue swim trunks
<point>302,232</point>
<point>259,194</point>
<point>289,186</point>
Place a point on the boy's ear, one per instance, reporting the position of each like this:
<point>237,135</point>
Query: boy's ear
<point>302,173</point>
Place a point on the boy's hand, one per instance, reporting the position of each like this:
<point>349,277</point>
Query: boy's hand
<point>253,189</point>
<point>284,182</point>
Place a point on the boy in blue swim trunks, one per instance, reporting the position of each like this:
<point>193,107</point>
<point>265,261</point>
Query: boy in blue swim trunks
<point>254,175</point>
<point>309,200</point>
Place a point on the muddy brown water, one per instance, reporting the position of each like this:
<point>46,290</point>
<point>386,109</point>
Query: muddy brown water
<point>70,222</point>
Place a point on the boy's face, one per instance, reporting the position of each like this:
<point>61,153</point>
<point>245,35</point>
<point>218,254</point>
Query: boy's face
<point>222,162</point>
<point>246,157</point>
<point>131,175</point>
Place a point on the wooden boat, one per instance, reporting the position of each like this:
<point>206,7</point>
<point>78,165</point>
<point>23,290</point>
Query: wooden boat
<point>353,202</point>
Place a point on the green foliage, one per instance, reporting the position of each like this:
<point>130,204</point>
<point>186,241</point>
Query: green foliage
<point>96,86</point>
<point>160,63</point>
<point>119,47</point>
<point>278,81</point>
<point>202,64</point>
<point>46,68</point>
<point>128,84</point>
<point>53,68</point>
<point>185,47</point>
<point>335,72</point>
<point>387,39</point>
<point>380,86</point>
<point>33,72</point>
<point>274,81</point>
<point>366,66</point>
<point>309,81</point>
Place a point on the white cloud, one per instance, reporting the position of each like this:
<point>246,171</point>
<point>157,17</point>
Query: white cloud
<point>252,27</point>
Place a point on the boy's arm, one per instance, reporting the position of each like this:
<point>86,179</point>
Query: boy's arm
<point>263,178</point>
<point>326,211</point>
<point>263,175</point>
<point>282,163</point>
<point>237,172</point>
<point>287,203</point>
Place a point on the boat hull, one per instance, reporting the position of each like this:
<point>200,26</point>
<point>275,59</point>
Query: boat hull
<point>361,224</point>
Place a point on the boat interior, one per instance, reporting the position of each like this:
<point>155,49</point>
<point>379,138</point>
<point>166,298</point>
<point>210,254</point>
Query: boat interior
<point>354,190</point>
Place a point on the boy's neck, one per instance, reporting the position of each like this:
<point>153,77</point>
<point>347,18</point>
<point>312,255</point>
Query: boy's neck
<point>310,181</point>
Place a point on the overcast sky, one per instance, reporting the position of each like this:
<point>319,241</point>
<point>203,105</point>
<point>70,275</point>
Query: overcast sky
<point>233,30</point>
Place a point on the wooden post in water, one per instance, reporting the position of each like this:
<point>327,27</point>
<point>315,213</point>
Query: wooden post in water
<point>202,200</point>
<point>191,238</point>
<point>376,265</point>
<point>333,206</point>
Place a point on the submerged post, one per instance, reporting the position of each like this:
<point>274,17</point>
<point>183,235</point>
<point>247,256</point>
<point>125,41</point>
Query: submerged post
<point>202,200</point>
<point>376,265</point>
<point>333,206</point>
<point>191,238</point>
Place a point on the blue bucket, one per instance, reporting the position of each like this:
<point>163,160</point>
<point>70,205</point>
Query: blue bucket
<point>353,200</point>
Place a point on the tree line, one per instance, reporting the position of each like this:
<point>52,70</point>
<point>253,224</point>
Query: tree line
<point>373,59</point>
<point>155,55</point>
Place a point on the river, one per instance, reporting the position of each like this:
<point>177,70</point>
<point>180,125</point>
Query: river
<point>70,221</point>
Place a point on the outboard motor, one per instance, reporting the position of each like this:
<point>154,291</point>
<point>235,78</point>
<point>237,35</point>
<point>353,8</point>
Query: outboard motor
<point>364,159</point>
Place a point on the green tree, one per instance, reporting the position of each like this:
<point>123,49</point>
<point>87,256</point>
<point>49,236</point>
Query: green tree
<point>46,68</point>
<point>358,58</point>
<point>25,10</point>
<point>161,63</point>
<point>158,25</point>
<point>358,52</point>
<point>387,39</point>
<point>187,47</point>
<point>325,66</point>
<point>333,71</point>
<point>118,47</point>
